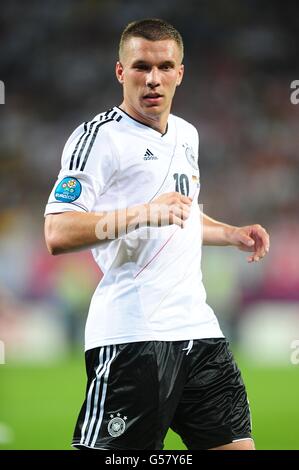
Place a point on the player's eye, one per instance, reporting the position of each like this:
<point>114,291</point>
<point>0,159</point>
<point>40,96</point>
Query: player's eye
<point>166,66</point>
<point>142,67</point>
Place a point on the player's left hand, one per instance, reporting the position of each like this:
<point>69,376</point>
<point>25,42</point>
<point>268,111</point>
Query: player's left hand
<point>253,238</point>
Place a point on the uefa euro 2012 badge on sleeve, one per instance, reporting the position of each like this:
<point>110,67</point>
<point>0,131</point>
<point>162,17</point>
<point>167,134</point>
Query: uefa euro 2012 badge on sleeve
<point>68,190</point>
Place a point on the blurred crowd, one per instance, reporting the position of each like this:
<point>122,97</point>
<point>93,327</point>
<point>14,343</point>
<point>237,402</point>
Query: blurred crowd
<point>57,62</point>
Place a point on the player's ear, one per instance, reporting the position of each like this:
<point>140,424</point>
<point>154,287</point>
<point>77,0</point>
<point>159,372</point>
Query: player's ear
<point>180,75</point>
<point>119,71</point>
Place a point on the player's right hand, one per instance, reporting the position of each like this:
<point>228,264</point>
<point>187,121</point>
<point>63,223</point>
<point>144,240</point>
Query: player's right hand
<point>168,209</point>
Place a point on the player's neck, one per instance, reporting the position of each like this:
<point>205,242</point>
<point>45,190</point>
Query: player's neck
<point>159,123</point>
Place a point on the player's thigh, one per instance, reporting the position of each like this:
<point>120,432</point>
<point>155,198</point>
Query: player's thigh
<point>242,444</point>
<point>213,410</point>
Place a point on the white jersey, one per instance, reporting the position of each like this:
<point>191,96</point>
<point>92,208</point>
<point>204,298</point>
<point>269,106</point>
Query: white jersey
<point>151,287</point>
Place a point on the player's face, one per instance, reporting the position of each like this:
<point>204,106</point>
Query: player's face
<point>149,71</point>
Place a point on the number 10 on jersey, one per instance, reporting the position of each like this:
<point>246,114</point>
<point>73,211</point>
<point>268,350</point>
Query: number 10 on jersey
<point>181,183</point>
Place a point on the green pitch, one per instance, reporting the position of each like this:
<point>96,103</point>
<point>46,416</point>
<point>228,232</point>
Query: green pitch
<point>39,405</point>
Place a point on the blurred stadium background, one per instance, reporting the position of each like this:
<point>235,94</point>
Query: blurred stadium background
<point>57,63</point>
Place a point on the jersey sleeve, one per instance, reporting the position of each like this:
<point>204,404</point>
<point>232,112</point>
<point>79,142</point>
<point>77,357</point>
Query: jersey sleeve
<point>88,165</point>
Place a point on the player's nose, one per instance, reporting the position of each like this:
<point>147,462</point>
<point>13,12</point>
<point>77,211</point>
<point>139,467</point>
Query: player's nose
<point>153,78</point>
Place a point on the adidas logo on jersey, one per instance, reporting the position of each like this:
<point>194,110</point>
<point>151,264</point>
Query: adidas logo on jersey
<point>149,155</point>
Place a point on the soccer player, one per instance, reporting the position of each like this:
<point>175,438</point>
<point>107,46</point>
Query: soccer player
<point>128,189</point>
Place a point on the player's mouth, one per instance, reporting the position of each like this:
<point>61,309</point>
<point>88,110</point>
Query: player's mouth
<point>153,98</point>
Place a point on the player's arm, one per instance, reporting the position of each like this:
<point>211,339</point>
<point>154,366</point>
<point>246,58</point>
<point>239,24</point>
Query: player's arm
<point>252,238</point>
<point>71,231</point>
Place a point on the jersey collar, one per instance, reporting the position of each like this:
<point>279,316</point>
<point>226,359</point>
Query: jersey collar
<point>125,114</point>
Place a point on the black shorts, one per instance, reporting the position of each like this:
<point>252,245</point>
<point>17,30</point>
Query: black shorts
<point>137,391</point>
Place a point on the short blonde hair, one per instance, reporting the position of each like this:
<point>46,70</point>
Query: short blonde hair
<point>152,29</point>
